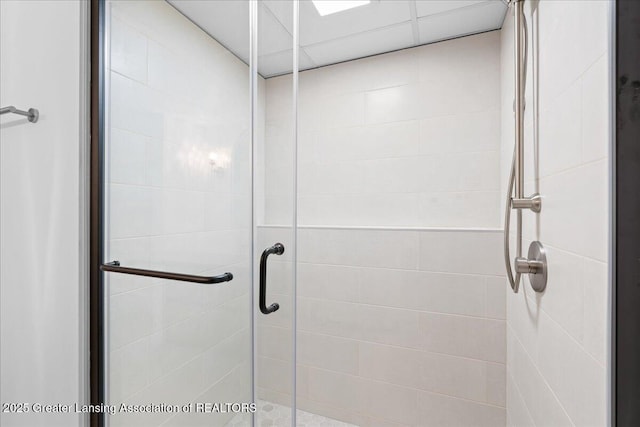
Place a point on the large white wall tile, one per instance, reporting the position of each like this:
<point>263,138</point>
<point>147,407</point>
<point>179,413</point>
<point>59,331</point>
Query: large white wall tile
<point>435,292</point>
<point>596,301</point>
<point>328,282</point>
<point>445,134</point>
<point>128,51</point>
<point>572,36</point>
<point>329,317</point>
<point>454,58</point>
<point>576,378</point>
<point>222,358</point>
<point>389,70</point>
<point>571,195</point>
<point>540,401</point>
<point>138,106</point>
<point>382,248</point>
<point>564,297</point>
<point>128,157</point>
<point>172,347</point>
<point>475,252</point>
<point>595,111</point>
<point>517,412</point>
<point>440,410</point>
<point>376,397</point>
<point>328,352</point>
<point>476,338</point>
<point>274,342</point>
<point>452,208</point>
<point>129,369</point>
<point>496,384</point>
<point>450,375</point>
<point>389,325</point>
<point>392,104</point>
<point>135,216</point>
<point>560,132</point>
<point>337,389</point>
<point>496,297</point>
<point>134,315</point>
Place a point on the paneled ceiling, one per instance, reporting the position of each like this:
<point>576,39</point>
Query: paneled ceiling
<point>378,27</point>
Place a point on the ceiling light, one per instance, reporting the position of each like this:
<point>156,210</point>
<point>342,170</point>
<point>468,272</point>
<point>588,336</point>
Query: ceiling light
<point>327,7</point>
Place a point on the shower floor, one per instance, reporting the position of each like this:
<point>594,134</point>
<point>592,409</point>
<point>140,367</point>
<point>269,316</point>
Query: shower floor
<point>274,415</point>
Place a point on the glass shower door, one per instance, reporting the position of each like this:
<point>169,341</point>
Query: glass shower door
<point>178,184</point>
<point>275,171</point>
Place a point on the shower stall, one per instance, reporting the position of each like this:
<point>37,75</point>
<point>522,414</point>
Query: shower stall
<point>298,213</point>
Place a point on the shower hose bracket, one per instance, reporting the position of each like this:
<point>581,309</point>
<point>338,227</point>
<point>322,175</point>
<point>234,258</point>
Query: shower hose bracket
<point>534,203</point>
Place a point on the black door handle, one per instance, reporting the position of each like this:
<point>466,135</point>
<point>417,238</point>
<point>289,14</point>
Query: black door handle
<point>277,249</point>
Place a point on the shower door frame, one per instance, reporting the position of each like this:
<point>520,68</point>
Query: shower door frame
<point>625,268</point>
<point>97,356</point>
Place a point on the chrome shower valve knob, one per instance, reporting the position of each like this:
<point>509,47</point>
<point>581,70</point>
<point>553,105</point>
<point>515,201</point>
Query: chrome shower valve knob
<point>526,266</point>
<point>535,265</point>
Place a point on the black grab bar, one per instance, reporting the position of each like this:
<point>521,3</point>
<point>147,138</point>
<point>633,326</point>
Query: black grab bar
<point>277,249</point>
<point>115,267</point>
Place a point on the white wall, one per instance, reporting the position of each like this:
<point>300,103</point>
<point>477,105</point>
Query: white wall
<point>42,286</point>
<point>409,138</point>
<point>556,341</point>
<point>398,323</point>
<point>176,96</point>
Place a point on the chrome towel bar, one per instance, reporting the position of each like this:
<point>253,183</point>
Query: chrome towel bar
<point>31,115</point>
<point>115,267</point>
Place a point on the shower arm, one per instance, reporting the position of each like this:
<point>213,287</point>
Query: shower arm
<point>535,264</point>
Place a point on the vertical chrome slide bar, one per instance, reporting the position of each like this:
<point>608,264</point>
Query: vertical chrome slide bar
<point>519,71</point>
<point>519,98</point>
<point>519,201</point>
<point>535,265</point>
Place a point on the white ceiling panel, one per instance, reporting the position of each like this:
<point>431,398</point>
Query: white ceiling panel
<point>432,7</point>
<point>316,29</point>
<point>381,26</point>
<point>283,11</point>
<point>473,19</point>
<point>227,21</point>
<point>272,35</point>
<point>361,45</point>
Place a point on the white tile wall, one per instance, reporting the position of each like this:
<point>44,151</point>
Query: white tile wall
<point>556,341</point>
<point>175,97</point>
<point>381,336</point>
<point>394,140</point>
<point>409,138</point>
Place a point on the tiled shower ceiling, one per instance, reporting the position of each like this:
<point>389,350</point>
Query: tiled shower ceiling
<point>378,27</point>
